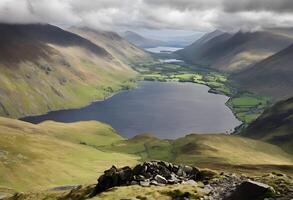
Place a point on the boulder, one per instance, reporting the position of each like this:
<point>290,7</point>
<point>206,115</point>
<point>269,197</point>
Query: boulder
<point>125,175</point>
<point>249,190</point>
<point>173,179</point>
<point>139,169</point>
<point>160,179</point>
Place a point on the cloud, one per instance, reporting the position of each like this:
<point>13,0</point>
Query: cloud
<point>201,15</point>
<point>276,6</point>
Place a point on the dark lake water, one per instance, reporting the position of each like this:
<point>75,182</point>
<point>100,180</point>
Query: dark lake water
<point>166,109</point>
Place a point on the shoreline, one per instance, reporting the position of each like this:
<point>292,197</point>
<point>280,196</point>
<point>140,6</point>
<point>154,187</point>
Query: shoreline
<point>212,91</point>
<point>228,131</point>
<point>75,108</point>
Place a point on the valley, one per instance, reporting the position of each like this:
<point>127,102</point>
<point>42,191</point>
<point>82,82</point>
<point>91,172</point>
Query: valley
<point>76,101</point>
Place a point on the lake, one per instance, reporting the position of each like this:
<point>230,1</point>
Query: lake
<point>167,109</point>
<point>163,49</point>
<point>174,61</point>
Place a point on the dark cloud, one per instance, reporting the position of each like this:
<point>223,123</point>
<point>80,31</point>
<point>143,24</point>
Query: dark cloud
<point>185,4</point>
<point>277,6</point>
<point>203,15</point>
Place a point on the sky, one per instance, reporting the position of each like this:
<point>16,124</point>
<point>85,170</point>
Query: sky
<point>181,17</point>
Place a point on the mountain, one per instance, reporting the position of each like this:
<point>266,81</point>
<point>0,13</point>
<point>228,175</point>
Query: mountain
<point>114,44</point>
<point>141,41</point>
<point>275,125</point>
<point>206,38</point>
<point>44,67</point>
<point>234,52</point>
<point>271,77</point>
<point>181,41</point>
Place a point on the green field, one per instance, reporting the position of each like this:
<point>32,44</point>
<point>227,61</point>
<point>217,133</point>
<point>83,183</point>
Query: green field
<point>217,81</point>
<point>247,107</point>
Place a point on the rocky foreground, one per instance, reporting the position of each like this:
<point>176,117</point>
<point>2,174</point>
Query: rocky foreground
<point>163,180</point>
<point>215,186</point>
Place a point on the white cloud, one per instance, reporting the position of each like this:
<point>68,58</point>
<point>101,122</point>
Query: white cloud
<point>203,15</point>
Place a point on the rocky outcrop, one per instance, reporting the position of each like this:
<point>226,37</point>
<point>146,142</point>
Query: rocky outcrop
<point>212,185</point>
<point>251,190</point>
<point>146,174</point>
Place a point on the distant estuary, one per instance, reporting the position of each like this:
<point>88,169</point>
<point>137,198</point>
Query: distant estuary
<point>166,109</point>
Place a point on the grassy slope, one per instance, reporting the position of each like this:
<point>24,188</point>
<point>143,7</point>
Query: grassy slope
<point>52,154</point>
<point>205,150</point>
<point>64,75</point>
<point>275,125</point>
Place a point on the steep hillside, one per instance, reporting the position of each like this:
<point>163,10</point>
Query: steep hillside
<point>114,44</point>
<point>45,68</point>
<point>234,52</point>
<point>141,41</point>
<point>54,154</point>
<point>271,77</point>
<point>275,125</point>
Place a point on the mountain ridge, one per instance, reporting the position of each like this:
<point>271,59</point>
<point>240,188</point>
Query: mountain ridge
<point>235,52</point>
<point>141,41</point>
<point>54,69</point>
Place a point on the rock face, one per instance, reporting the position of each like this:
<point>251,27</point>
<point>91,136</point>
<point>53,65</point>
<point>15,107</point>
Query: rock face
<point>146,174</point>
<point>251,190</point>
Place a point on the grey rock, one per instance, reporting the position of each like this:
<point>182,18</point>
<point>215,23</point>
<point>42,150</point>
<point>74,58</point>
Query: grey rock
<point>173,179</point>
<point>190,182</point>
<point>153,182</point>
<point>139,178</point>
<point>133,183</point>
<point>160,179</point>
<point>251,190</point>
<point>65,187</point>
<point>145,183</point>
<point>181,172</point>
